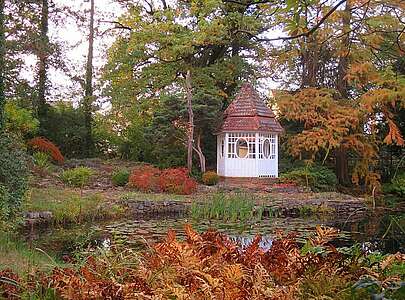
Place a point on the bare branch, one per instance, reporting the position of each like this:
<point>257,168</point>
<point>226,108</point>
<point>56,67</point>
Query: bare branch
<point>117,24</point>
<point>164,4</point>
<point>399,41</point>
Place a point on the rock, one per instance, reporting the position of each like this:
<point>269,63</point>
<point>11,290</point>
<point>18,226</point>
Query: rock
<point>46,215</point>
<point>166,207</point>
<point>32,215</point>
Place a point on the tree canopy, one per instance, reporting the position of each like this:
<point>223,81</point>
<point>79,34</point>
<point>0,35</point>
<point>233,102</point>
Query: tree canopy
<point>336,70</point>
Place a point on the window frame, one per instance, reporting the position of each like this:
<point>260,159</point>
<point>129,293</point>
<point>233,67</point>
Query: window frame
<point>250,139</point>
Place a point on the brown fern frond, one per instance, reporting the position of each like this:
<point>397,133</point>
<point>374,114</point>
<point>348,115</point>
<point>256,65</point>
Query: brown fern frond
<point>324,235</point>
<point>192,235</point>
<point>253,249</point>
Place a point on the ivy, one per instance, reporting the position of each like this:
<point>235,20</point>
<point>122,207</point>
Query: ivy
<point>13,175</point>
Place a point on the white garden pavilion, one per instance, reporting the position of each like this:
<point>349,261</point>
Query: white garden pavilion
<point>247,142</point>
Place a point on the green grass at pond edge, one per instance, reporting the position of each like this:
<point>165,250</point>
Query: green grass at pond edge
<point>22,259</point>
<point>68,206</point>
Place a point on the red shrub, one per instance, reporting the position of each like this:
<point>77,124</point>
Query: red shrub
<point>177,181</point>
<point>150,179</point>
<point>145,179</point>
<point>44,145</point>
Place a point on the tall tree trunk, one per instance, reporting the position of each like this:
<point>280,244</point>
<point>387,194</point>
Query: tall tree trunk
<point>341,158</point>
<point>200,153</point>
<point>190,131</point>
<point>309,59</point>
<point>341,84</point>
<point>43,51</point>
<point>342,166</point>
<point>2,53</point>
<point>310,62</point>
<point>88,89</point>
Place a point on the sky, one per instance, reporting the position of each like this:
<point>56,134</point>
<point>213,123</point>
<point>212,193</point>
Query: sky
<point>74,38</point>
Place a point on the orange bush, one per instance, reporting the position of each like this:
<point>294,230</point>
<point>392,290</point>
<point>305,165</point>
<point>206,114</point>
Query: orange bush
<point>177,181</point>
<point>44,145</point>
<point>151,179</point>
<point>145,179</point>
<point>210,178</point>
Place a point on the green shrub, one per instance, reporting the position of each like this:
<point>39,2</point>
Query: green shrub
<point>120,177</point>
<point>13,175</point>
<point>42,160</point>
<point>397,185</point>
<point>4,201</point>
<point>64,126</point>
<point>20,121</point>
<point>210,178</point>
<point>196,174</point>
<point>318,178</point>
<point>77,177</point>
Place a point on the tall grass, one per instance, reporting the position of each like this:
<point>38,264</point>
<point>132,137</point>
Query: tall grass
<point>228,208</point>
<point>19,257</point>
<point>68,206</point>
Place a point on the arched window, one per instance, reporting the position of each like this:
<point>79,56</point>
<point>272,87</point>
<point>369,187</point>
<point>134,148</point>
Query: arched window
<point>266,148</point>
<point>242,149</point>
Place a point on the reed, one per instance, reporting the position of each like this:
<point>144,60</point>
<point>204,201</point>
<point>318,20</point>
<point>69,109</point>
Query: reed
<point>236,207</point>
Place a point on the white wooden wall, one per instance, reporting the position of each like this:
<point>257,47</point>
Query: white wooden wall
<point>220,158</point>
<point>259,166</point>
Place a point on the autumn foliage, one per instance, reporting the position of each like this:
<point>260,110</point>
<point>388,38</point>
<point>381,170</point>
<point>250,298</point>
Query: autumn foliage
<point>173,180</point>
<point>177,181</point>
<point>211,266</point>
<point>44,145</point>
<point>330,123</point>
<point>145,178</point>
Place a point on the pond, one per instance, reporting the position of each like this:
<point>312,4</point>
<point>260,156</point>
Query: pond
<point>375,232</point>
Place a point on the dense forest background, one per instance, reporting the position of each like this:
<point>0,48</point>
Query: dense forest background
<point>336,68</point>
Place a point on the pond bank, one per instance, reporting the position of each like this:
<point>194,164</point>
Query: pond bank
<point>278,204</point>
<point>50,206</point>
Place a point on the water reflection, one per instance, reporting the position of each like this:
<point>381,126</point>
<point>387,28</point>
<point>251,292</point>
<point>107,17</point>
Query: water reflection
<point>244,241</point>
<point>375,232</point>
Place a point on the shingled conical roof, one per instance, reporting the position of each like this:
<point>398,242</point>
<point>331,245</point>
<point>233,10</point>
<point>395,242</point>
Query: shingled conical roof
<point>247,112</point>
